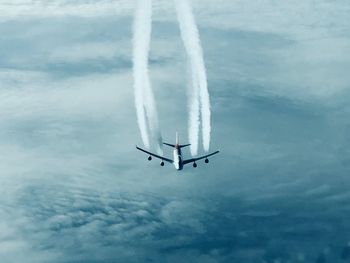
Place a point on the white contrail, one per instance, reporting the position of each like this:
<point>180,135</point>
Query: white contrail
<point>141,37</point>
<point>144,99</point>
<point>193,122</point>
<point>152,116</point>
<point>190,37</point>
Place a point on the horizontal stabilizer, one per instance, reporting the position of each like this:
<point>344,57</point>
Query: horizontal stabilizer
<point>171,145</point>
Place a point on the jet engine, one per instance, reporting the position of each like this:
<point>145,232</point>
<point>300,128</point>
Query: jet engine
<point>149,158</point>
<point>194,165</point>
<point>206,160</point>
<point>162,163</point>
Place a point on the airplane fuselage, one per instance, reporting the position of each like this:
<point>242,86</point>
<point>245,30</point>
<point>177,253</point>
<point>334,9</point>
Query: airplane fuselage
<point>177,157</point>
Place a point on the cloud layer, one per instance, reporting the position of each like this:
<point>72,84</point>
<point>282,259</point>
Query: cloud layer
<point>73,189</point>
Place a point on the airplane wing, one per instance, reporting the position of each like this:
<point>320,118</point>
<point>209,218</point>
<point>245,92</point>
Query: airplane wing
<point>155,155</point>
<point>199,158</point>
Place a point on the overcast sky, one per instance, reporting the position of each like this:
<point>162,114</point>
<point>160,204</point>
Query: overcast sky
<point>74,189</point>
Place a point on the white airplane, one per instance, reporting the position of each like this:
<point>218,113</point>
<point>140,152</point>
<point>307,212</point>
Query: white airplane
<point>178,161</point>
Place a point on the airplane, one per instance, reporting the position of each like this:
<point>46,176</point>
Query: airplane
<point>178,161</point>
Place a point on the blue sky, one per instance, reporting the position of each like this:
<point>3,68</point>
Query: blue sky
<point>73,188</point>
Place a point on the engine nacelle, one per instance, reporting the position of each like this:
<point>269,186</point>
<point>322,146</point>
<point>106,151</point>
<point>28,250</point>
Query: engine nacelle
<point>162,163</point>
<point>149,158</point>
<point>194,165</point>
<point>206,160</point>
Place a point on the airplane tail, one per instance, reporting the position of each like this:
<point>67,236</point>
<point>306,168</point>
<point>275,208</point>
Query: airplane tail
<point>177,142</point>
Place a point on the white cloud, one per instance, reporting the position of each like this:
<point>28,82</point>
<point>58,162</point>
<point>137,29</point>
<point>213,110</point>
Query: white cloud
<point>87,51</point>
<point>313,69</point>
<point>23,9</point>
<point>43,8</point>
<point>302,20</point>
<point>184,214</point>
<point>36,95</point>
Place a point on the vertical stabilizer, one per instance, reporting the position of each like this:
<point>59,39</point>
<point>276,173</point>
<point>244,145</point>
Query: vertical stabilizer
<point>177,138</point>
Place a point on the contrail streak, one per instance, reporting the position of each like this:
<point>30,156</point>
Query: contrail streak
<point>190,37</point>
<point>193,121</point>
<point>144,99</point>
<point>152,116</point>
